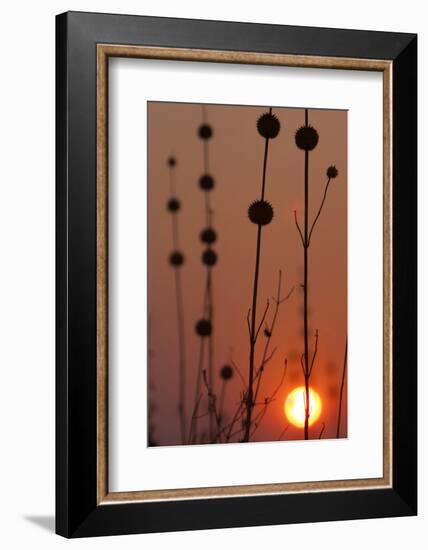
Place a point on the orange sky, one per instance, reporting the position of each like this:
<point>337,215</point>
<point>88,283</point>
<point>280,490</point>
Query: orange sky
<point>236,157</point>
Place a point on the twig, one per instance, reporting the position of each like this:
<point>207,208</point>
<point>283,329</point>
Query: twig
<point>281,435</point>
<point>179,307</point>
<point>298,228</point>
<point>322,430</point>
<point>262,320</point>
<point>315,352</point>
<point>319,210</point>
<point>341,389</point>
<point>194,416</point>
<point>265,358</point>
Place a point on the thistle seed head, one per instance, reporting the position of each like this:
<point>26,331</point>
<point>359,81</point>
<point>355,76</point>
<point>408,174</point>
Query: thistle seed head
<point>332,172</point>
<point>260,212</point>
<point>209,257</point>
<point>176,259</point>
<point>206,182</point>
<point>205,131</point>
<point>173,205</point>
<point>203,328</point>
<point>208,236</point>
<point>226,372</point>
<point>268,126</point>
<point>306,138</point>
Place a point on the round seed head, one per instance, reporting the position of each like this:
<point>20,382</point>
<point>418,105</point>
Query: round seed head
<point>268,125</point>
<point>203,327</point>
<point>176,259</point>
<point>206,182</point>
<point>208,236</point>
<point>260,212</point>
<point>226,372</point>
<point>209,257</point>
<point>173,205</point>
<point>306,138</point>
<point>205,131</point>
<point>332,172</point>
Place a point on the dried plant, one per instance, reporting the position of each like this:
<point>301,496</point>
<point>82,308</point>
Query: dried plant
<point>342,384</point>
<point>306,139</point>
<point>176,261</point>
<point>205,326</point>
<point>260,213</point>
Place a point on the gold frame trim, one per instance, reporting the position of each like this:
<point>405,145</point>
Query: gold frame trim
<point>104,51</point>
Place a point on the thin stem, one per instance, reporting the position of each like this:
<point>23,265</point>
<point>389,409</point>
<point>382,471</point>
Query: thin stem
<point>262,196</point>
<point>180,320</point>
<point>182,355</point>
<point>222,398</point>
<point>265,358</point>
<point>298,228</point>
<point>319,210</point>
<point>341,388</point>
<point>305,290</point>
<point>206,312</point>
<point>210,347</point>
<point>253,335</point>
<point>315,353</point>
<point>284,431</point>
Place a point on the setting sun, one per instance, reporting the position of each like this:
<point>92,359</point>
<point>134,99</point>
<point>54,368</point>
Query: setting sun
<point>294,406</point>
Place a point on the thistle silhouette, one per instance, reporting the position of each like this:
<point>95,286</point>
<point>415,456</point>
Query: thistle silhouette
<point>306,139</point>
<point>205,326</point>
<point>226,374</point>
<point>176,260</point>
<point>260,213</point>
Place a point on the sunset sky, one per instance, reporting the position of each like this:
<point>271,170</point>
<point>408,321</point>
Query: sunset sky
<point>236,160</point>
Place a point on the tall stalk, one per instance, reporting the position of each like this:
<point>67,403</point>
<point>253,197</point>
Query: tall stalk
<point>204,327</point>
<point>260,213</point>
<point>342,384</point>
<point>307,139</point>
<point>176,260</point>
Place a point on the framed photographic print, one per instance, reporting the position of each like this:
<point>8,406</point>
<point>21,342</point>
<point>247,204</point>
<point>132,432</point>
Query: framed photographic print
<point>236,274</point>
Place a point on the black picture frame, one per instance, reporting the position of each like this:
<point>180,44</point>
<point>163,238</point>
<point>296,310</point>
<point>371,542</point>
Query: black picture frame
<point>77,511</point>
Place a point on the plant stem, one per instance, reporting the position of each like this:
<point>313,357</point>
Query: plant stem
<point>182,356</point>
<point>180,321</point>
<point>252,336</point>
<point>341,389</point>
<point>250,404</point>
<point>305,289</point>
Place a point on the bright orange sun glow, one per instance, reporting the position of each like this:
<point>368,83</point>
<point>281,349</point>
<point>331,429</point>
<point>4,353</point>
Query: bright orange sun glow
<point>294,406</point>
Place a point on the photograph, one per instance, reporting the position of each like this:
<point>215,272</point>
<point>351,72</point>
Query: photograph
<point>247,273</point>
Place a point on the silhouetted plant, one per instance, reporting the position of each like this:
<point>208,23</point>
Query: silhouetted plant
<point>342,384</point>
<point>152,389</point>
<point>204,327</point>
<point>226,374</point>
<point>176,260</point>
<point>260,213</point>
<point>306,139</point>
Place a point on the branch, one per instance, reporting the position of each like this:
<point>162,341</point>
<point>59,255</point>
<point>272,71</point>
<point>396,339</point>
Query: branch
<point>322,430</point>
<point>341,388</point>
<point>266,358</point>
<point>298,227</point>
<point>281,435</point>
<point>302,365</point>
<point>235,366</point>
<point>261,322</point>
<point>319,210</point>
<point>315,352</point>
